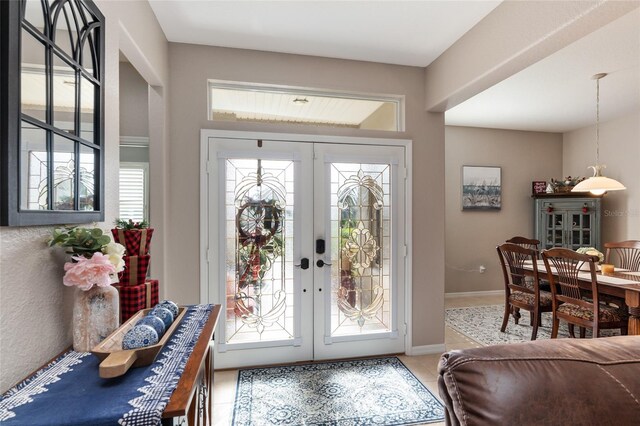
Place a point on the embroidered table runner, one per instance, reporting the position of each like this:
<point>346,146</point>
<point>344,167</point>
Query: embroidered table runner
<point>69,390</point>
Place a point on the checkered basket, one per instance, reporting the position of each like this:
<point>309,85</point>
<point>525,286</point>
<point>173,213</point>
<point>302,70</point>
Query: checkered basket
<point>135,270</point>
<point>135,241</point>
<point>136,297</point>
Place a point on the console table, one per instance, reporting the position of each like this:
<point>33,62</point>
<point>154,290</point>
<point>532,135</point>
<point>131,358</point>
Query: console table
<point>192,398</point>
<point>175,389</point>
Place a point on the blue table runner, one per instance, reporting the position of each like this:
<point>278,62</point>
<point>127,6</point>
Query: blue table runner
<point>69,390</point>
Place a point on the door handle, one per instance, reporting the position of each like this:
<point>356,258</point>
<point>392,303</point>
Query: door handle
<point>304,263</point>
<point>320,263</point>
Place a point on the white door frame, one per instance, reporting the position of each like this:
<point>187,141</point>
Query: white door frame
<point>209,296</point>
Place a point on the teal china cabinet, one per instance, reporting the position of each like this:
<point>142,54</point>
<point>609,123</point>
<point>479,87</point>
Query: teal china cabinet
<point>567,220</point>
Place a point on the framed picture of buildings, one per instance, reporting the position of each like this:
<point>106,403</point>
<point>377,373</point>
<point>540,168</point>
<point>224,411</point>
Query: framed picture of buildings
<point>481,188</point>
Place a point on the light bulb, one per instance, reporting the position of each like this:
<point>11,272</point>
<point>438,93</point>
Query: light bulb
<point>598,191</point>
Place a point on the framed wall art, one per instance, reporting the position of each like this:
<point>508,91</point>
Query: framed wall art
<point>481,188</point>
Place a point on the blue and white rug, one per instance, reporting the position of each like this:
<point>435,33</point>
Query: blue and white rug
<point>482,324</point>
<point>379,391</point>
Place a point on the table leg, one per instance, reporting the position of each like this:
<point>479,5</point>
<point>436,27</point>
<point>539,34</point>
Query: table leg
<point>632,299</point>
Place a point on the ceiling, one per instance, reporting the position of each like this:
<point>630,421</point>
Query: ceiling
<point>557,94</point>
<point>266,105</point>
<point>395,32</point>
<point>553,95</point>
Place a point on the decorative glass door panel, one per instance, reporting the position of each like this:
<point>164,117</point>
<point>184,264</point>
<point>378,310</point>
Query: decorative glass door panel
<point>359,207</point>
<point>360,236</point>
<point>259,257</point>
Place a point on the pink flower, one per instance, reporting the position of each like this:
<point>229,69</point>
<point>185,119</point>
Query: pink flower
<point>85,273</point>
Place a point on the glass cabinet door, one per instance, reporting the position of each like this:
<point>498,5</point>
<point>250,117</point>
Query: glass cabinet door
<point>567,221</point>
<point>554,229</point>
<point>580,234</point>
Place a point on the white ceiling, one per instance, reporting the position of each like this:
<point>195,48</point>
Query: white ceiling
<point>396,32</point>
<point>555,94</point>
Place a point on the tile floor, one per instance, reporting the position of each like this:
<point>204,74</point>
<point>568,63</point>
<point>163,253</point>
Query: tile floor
<point>424,366</point>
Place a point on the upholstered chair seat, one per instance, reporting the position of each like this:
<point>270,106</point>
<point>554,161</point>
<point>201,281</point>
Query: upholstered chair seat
<point>605,313</point>
<point>530,299</point>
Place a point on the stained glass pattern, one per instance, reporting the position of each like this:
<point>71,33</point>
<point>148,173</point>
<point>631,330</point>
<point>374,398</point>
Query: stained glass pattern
<point>360,238</point>
<point>259,250</point>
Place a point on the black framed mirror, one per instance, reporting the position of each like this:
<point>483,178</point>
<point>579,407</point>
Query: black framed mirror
<point>51,112</point>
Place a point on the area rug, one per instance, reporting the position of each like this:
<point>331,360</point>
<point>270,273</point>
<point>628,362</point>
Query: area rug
<point>482,324</point>
<point>379,391</point>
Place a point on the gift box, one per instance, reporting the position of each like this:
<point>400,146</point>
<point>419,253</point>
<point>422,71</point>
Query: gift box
<point>136,297</point>
<point>135,241</point>
<point>135,270</point>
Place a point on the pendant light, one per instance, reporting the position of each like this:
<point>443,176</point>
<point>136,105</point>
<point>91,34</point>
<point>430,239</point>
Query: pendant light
<point>598,184</point>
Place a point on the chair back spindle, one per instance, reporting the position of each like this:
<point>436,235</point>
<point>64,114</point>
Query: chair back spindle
<point>627,254</point>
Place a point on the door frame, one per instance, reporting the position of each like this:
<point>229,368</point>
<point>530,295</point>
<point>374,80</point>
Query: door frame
<point>206,255</point>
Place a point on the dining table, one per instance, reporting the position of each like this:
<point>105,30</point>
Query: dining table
<point>620,283</point>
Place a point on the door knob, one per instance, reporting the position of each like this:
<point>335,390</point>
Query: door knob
<point>304,263</point>
<point>321,263</point>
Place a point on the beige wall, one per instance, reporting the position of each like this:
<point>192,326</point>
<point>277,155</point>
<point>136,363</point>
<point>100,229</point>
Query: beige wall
<point>471,236</point>
<point>192,65</point>
<point>620,151</point>
<point>35,307</point>
<point>134,102</point>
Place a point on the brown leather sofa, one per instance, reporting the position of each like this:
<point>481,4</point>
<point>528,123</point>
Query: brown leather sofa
<point>545,382</point>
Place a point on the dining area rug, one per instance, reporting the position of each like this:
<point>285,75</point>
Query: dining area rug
<point>380,391</point>
<point>482,324</point>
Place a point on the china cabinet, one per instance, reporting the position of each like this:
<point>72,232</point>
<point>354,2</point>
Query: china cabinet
<point>567,220</point>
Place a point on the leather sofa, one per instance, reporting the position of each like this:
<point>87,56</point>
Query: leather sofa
<point>544,382</point>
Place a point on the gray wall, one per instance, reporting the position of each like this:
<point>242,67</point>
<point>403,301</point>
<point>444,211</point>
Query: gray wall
<point>620,152</point>
<point>134,102</point>
<point>192,65</point>
<point>471,236</point>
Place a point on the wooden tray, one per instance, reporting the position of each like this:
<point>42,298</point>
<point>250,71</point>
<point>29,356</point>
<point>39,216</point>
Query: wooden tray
<point>116,361</point>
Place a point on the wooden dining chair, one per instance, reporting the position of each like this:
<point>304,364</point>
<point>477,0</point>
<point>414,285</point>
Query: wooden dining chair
<point>627,254</point>
<point>576,305</point>
<point>519,294</point>
<point>525,242</point>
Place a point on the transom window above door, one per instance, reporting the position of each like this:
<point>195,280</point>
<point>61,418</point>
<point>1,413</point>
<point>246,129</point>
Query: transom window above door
<point>285,105</point>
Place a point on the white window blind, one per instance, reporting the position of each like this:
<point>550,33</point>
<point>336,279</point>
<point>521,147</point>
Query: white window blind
<point>133,192</point>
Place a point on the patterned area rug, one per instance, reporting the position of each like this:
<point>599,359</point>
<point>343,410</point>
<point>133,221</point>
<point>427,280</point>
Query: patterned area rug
<point>378,391</point>
<point>482,324</point>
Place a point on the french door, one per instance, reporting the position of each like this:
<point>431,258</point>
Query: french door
<point>305,249</point>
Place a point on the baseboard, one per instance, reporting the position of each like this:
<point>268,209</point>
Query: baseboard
<point>474,294</point>
<point>426,350</point>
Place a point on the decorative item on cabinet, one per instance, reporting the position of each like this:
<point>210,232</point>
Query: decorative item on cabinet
<point>567,220</point>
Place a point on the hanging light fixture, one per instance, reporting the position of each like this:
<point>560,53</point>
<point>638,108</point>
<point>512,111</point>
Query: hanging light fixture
<point>598,184</point>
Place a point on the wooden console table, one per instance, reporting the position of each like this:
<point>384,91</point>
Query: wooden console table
<point>68,390</point>
<point>191,401</point>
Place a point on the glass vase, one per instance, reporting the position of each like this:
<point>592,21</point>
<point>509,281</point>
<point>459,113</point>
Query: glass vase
<point>96,314</point>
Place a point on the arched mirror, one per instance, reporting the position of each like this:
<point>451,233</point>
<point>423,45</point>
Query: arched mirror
<point>51,112</point>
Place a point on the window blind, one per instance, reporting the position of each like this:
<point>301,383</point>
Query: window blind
<point>132,193</point>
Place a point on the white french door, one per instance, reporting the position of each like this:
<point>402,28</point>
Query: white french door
<point>305,249</point>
